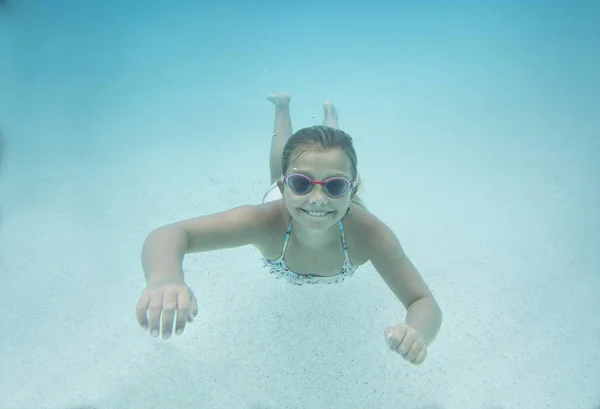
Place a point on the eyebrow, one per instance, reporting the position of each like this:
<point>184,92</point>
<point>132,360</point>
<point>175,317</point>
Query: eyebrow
<point>311,175</point>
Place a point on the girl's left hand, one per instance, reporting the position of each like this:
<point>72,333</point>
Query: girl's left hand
<point>407,342</point>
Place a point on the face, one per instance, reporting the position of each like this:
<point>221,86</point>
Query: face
<point>319,166</point>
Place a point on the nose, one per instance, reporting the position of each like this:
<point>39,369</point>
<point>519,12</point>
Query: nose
<point>318,194</point>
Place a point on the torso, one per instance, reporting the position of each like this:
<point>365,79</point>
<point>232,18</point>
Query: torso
<point>326,261</point>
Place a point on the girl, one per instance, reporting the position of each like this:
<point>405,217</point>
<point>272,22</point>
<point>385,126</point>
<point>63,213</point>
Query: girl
<point>312,228</point>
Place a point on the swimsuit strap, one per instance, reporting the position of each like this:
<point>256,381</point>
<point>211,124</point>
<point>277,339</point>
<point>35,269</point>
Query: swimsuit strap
<point>286,241</point>
<point>344,245</point>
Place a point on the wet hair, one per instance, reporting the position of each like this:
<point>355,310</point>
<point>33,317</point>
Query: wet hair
<point>324,138</point>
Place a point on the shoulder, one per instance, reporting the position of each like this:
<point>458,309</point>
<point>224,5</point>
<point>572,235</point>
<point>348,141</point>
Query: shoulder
<point>271,214</point>
<point>271,220</point>
<point>369,233</point>
<point>238,226</point>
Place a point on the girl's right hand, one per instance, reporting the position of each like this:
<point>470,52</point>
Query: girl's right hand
<point>169,298</point>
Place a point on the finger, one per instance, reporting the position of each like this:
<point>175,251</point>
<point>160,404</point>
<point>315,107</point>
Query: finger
<point>412,353</point>
<point>141,310</point>
<point>398,335</point>
<point>168,313</point>
<point>183,310</point>
<point>406,344</point>
<point>155,309</point>
<point>193,309</point>
<point>420,357</point>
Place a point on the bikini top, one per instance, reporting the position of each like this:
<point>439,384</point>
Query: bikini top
<point>280,270</point>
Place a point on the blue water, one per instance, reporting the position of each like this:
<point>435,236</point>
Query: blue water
<point>477,131</point>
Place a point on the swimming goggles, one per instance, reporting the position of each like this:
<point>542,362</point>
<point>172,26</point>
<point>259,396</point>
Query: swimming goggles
<point>302,184</point>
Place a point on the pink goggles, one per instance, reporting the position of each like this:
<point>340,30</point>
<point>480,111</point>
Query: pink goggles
<point>302,184</point>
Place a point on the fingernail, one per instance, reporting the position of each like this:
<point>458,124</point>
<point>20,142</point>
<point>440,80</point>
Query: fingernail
<point>154,333</point>
<point>179,331</point>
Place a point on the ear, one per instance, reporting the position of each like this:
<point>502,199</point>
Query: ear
<point>357,187</point>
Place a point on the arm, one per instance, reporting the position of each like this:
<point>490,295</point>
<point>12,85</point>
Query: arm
<point>387,256</point>
<point>166,295</point>
<point>164,248</point>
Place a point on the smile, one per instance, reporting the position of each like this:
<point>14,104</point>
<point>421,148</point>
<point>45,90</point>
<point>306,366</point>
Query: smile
<point>316,214</point>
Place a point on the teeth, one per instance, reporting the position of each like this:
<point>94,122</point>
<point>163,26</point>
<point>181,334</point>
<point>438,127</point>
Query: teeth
<point>317,214</point>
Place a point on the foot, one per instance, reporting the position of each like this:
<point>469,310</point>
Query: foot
<point>281,99</point>
<point>330,114</point>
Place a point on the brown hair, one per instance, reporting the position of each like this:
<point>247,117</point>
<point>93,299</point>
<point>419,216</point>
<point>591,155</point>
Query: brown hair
<point>324,137</point>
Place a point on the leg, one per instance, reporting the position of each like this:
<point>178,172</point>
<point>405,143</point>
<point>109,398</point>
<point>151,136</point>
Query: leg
<point>282,130</point>
<point>330,115</point>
